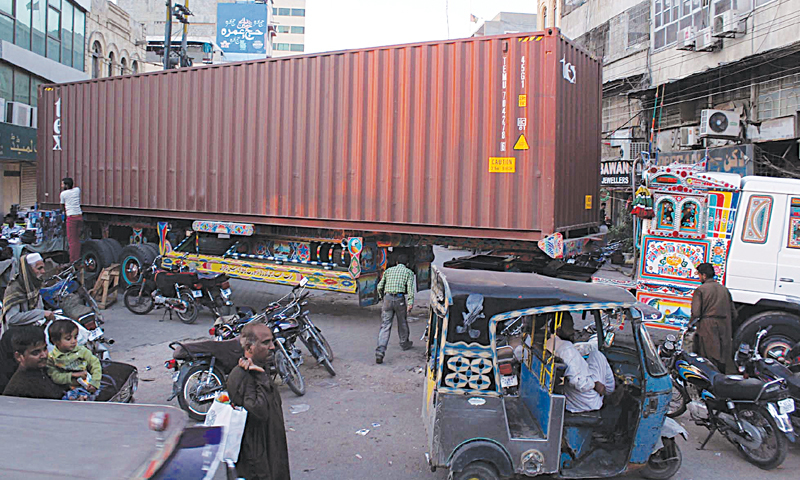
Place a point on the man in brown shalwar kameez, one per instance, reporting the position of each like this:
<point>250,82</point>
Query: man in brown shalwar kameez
<point>264,454</point>
<point>714,312</point>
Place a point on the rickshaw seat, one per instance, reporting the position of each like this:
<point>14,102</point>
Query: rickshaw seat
<point>582,419</point>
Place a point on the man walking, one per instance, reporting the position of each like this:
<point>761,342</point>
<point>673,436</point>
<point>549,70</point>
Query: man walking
<point>264,454</point>
<point>397,287</point>
<point>714,313</point>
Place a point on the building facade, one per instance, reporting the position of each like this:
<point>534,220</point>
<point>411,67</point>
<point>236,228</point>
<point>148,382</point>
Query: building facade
<point>508,22</point>
<point>290,20</point>
<point>685,80</point>
<point>41,42</point>
<point>116,42</point>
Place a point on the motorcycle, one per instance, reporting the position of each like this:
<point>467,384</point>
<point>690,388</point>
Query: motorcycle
<point>288,322</point>
<point>164,289</point>
<point>214,293</point>
<point>750,362</point>
<point>750,413</point>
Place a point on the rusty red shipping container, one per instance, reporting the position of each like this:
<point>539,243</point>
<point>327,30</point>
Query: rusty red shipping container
<point>419,139</point>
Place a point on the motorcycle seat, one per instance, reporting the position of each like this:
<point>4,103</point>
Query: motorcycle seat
<point>736,387</point>
<point>227,352</point>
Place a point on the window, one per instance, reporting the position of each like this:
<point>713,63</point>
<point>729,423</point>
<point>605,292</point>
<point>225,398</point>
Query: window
<point>690,217</point>
<point>54,31</point>
<point>38,27</point>
<point>794,223</point>
<point>66,34</point>
<point>284,11</point>
<point>296,47</point>
<point>756,222</point>
<point>299,30</point>
<point>97,60</point>
<point>78,49</point>
<point>665,212</point>
<point>283,29</point>
<point>35,82</point>
<point>22,87</point>
<point>135,67</point>
<point>779,98</point>
<point>298,12</point>
<point>6,25</point>
<point>6,81</point>
<point>22,35</point>
<point>111,61</point>
<point>672,16</point>
<point>123,66</point>
<point>282,46</point>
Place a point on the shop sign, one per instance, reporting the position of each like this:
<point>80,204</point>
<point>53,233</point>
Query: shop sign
<point>616,173</point>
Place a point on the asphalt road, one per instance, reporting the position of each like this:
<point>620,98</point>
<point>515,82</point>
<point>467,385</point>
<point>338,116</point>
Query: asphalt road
<point>384,399</point>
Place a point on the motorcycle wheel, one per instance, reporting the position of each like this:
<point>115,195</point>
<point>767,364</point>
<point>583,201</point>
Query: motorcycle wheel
<point>316,340</point>
<point>288,371</point>
<point>678,402</point>
<point>140,304</point>
<point>190,315</point>
<point>187,398</point>
<point>772,451</point>
<point>664,463</point>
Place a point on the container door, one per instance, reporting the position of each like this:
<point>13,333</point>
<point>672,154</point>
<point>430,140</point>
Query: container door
<point>752,262</point>
<point>788,279</point>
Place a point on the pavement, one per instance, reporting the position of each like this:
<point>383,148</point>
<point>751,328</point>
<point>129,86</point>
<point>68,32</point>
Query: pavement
<point>384,399</point>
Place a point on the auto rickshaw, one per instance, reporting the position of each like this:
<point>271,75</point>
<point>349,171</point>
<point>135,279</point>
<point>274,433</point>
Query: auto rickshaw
<point>494,402</point>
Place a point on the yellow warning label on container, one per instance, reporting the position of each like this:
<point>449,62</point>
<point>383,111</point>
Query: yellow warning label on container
<point>522,143</point>
<point>522,101</point>
<point>588,202</point>
<point>502,164</point>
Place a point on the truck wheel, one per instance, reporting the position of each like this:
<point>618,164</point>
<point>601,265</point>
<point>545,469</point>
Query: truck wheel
<point>779,340</point>
<point>476,471</point>
<point>153,247</point>
<point>135,258</point>
<point>115,247</point>
<point>96,256</point>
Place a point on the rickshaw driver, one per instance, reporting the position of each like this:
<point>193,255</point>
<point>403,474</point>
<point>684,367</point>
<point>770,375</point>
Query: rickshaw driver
<point>588,381</point>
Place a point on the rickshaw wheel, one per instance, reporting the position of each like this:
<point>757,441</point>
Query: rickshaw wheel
<point>476,471</point>
<point>664,463</point>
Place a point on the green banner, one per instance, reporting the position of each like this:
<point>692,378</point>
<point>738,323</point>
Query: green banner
<point>17,143</point>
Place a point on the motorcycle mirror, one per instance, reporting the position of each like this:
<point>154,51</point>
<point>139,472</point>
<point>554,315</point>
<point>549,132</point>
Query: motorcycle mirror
<point>304,282</point>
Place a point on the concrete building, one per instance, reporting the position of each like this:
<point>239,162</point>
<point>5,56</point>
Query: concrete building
<point>116,42</point>
<point>290,20</point>
<point>287,25</point>
<point>550,12</point>
<point>669,65</point>
<point>507,22</point>
<point>41,42</point>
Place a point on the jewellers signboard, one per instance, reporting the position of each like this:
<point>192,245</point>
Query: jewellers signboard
<point>616,173</point>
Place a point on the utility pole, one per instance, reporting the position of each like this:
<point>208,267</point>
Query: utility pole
<point>182,13</point>
<point>168,35</point>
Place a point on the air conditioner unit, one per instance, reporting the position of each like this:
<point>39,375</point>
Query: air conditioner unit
<point>690,136</point>
<point>705,42</point>
<point>719,124</point>
<point>20,114</point>
<point>3,114</point>
<point>687,38</point>
<point>728,24</point>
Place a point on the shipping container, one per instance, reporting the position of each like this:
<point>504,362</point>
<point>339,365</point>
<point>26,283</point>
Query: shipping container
<point>480,138</point>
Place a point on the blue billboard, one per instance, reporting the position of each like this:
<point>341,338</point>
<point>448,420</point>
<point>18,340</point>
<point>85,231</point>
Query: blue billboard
<point>242,28</point>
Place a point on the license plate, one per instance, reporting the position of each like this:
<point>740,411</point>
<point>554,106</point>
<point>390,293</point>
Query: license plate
<point>95,334</point>
<point>786,405</point>
<point>226,292</point>
<point>197,293</point>
<point>509,381</point>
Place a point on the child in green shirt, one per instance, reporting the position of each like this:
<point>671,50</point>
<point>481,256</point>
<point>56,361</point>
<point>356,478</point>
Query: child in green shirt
<point>70,364</point>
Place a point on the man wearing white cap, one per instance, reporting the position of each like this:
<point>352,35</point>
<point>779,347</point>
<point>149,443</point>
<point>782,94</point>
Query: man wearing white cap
<point>22,303</point>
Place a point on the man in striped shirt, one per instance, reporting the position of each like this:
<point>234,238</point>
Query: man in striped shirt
<point>397,287</point>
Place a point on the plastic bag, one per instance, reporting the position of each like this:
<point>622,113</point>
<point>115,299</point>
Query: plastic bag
<point>232,420</point>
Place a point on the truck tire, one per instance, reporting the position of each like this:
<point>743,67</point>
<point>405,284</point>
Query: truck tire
<point>115,247</point>
<point>153,247</point>
<point>96,256</point>
<point>784,334</point>
<point>134,259</point>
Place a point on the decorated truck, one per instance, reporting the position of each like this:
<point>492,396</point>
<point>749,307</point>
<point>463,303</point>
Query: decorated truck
<point>747,227</point>
<point>324,165</point>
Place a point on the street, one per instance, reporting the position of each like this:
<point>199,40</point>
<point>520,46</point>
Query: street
<point>384,399</point>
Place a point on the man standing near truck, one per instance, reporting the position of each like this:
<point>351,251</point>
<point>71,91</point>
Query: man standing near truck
<point>397,287</point>
<point>714,313</point>
<point>71,202</point>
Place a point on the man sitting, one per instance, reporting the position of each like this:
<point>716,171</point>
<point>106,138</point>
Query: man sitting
<point>588,381</point>
<point>31,379</point>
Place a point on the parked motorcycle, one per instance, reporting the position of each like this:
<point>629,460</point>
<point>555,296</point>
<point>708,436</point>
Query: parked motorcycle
<point>167,289</point>
<point>214,293</point>
<point>289,322</point>
<point>750,413</point>
<point>750,362</point>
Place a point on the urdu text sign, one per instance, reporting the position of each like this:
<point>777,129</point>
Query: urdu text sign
<point>242,27</point>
